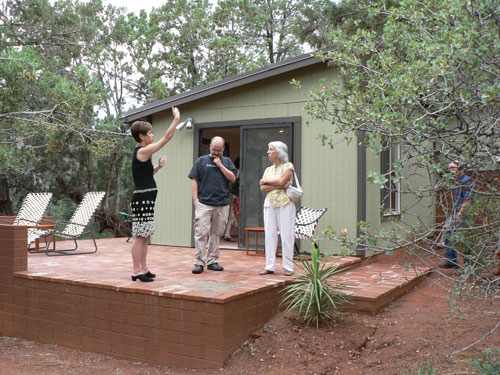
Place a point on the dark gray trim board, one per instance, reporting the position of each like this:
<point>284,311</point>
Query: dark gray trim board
<point>361,188</point>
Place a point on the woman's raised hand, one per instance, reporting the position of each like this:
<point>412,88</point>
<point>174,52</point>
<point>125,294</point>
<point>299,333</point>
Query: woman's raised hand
<point>176,113</point>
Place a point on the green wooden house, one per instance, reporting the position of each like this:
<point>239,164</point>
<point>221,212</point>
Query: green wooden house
<point>250,110</point>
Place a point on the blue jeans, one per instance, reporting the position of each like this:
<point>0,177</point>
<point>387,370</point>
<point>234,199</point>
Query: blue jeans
<point>451,253</point>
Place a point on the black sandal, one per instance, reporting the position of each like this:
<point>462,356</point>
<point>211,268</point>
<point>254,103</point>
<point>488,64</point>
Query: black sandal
<point>142,278</point>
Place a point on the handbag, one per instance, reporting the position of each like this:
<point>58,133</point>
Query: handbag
<point>295,193</point>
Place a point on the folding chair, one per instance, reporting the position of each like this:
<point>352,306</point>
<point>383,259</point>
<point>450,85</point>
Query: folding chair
<point>306,221</point>
<point>77,226</point>
<point>32,209</point>
<point>31,213</point>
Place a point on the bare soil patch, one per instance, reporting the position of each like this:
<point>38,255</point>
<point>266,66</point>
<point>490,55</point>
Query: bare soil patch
<point>419,327</point>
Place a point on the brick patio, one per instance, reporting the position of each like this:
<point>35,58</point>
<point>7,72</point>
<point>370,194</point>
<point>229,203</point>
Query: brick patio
<point>89,302</point>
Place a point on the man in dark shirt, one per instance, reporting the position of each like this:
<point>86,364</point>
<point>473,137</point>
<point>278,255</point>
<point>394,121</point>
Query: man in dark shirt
<point>461,200</point>
<point>210,178</point>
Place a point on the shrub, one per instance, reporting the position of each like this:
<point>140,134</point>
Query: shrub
<point>489,364</point>
<point>313,295</point>
<point>477,239</point>
<point>424,368</point>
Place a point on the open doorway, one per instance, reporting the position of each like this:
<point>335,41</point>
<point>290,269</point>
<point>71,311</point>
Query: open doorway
<point>246,145</point>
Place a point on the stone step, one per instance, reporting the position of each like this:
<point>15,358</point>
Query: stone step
<point>370,287</point>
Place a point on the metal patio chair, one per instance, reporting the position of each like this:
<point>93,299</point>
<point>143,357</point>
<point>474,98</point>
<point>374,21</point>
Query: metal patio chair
<point>76,227</point>
<point>32,209</point>
<point>306,221</point>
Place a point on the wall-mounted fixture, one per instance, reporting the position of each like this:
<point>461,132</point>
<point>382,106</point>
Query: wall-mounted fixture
<point>188,124</point>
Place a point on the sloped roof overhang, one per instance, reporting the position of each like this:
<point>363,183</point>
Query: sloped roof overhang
<point>268,71</point>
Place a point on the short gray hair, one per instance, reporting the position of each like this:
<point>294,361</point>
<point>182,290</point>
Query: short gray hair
<point>281,149</point>
<point>217,138</point>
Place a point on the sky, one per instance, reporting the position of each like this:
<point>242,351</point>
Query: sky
<point>135,5</point>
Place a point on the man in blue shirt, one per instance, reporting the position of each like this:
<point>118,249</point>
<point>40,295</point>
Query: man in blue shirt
<point>461,200</point>
<point>210,178</point>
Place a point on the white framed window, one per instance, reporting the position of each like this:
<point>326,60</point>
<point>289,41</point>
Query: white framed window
<point>391,192</point>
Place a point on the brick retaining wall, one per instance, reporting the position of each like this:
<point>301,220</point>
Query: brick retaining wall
<point>133,325</point>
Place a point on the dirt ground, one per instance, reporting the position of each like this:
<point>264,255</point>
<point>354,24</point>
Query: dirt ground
<point>419,329</point>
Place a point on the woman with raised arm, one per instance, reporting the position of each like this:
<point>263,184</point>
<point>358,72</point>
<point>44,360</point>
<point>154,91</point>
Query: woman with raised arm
<point>145,191</point>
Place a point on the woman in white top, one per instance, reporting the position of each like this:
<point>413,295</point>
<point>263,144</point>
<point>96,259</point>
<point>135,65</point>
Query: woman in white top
<point>279,210</point>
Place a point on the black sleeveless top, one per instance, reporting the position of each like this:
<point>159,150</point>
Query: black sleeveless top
<point>142,172</point>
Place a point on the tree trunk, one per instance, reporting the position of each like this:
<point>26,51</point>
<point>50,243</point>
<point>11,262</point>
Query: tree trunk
<point>113,222</point>
<point>5,201</point>
<point>118,186</point>
<point>72,193</point>
<point>109,183</point>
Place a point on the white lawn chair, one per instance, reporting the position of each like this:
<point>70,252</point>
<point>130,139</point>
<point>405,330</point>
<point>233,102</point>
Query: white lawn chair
<point>31,213</point>
<point>32,209</point>
<point>76,227</point>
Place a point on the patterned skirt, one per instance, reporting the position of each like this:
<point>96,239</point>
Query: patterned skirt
<point>143,213</point>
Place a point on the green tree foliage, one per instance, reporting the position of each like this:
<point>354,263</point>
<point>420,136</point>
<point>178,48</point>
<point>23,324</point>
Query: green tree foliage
<point>146,57</point>
<point>46,96</point>
<point>186,44</point>
<point>183,32</point>
<point>429,83</point>
<point>318,19</point>
<point>425,79</point>
<point>69,70</point>
<point>106,55</point>
<point>56,73</point>
<point>263,27</point>
<point>229,51</point>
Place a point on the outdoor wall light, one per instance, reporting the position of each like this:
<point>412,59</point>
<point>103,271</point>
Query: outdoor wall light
<point>188,124</point>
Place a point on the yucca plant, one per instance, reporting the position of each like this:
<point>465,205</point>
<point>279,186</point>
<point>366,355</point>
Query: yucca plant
<point>312,294</point>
